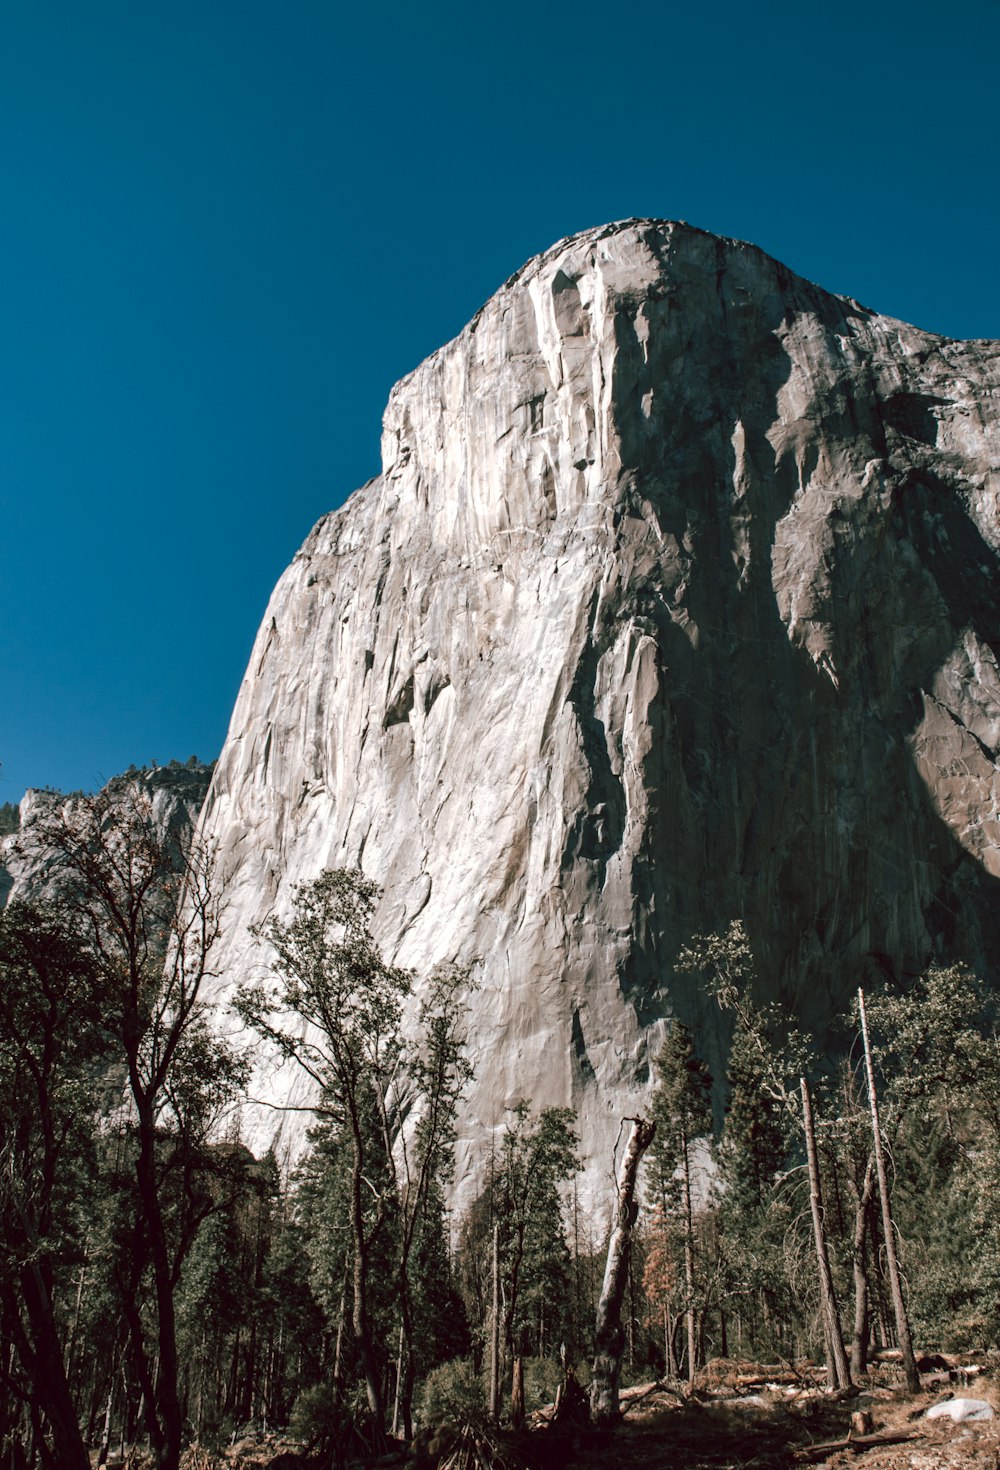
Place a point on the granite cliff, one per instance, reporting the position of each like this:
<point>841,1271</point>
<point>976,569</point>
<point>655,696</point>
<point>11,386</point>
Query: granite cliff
<point>30,871</point>
<point>675,601</point>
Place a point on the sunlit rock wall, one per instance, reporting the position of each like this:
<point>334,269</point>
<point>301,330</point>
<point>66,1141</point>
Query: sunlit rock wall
<point>675,601</point>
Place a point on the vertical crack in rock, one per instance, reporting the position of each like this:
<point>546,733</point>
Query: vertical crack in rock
<point>599,823</point>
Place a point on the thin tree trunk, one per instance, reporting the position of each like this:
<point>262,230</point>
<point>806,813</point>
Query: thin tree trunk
<point>361,1317</point>
<point>341,1312</point>
<point>577,1292</point>
<point>881,1330</point>
<point>168,1452</point>
<point>399,1385</point>
<point>862,1313</point>
<point>517,1394</point>
<point>105,1450</point>
<point>692,1339</point>
<point>608,1338</point>
<point>837,1369</point>
<point>895,1282</point>
<point>495,1331</point>
<point>74,1326</point>
<point>406,1372</point>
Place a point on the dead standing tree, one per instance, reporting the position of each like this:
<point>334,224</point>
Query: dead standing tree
<point>609,1340</point>
<point>836,1358</point>
<point>895,1282</point>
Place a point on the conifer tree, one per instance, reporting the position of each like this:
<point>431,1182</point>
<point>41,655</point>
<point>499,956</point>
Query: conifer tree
<point>682,1113</point>
<point>520,1209</point>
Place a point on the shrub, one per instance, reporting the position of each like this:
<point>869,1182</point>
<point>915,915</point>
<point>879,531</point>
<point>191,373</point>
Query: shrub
<point>453,1394</point>
<point>542,1377</point>
<point>315,1416</point>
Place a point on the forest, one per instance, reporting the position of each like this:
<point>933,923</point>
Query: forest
<point>162,1289</point>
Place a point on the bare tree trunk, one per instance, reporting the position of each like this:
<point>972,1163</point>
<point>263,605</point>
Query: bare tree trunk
<point>341,1312</point>
<point>74,1326</point>
<point>361,1313</point>
<point>105,1449</point>
<point>399,1386</point>
<point>495,1331</point>
<point>517,1394</point>
<point>881,1330</point>
<point>631,1314</point>
<point>837,1369</point>
<point>895,1283</point>
<point>692,1340</point>
<point>862,1311</point>
<point>608,1337</point>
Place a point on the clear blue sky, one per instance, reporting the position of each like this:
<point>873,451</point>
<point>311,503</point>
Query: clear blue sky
<point>227,227</point>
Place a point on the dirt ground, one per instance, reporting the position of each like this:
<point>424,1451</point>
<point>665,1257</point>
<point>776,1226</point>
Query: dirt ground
<point>742,1417</point>
<point>733,1427</point>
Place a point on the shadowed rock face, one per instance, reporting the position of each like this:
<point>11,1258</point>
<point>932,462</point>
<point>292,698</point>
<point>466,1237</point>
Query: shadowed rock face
<point>675,602</point>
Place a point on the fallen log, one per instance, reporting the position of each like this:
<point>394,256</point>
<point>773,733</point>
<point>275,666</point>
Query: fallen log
<point>858,1443</point>
<point>785,1380</point>
<point>627,1404</point>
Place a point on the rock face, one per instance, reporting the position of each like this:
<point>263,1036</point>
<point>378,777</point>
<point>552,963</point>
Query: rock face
<point>28,869</point>
<point>675,601</point>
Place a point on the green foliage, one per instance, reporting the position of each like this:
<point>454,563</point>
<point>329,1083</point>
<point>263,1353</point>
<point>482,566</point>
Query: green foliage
<point>939,1071</point>
<point>386,1144</point>
<point>453,1394</point>
<point>929,1042</point>
<point>726,960</point>
<point>143,901</point>
<point>754,1144</point>
<point>263,1275</point>
<point>539,1155</point>
<point>441,1329</point>
<point>316,1416</point>
<point>331,975</point>
<point>188,782</point>
<point>542,1379</point>
<point>52,1046</point>
<point>682,1111</point>
<point>10,818</point>
<point>537,1158</point>
<point>296,1342</point>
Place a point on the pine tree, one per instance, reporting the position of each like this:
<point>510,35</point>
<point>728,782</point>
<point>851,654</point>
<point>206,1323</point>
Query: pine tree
<point>682,1112</point>
<point>521,1203</point>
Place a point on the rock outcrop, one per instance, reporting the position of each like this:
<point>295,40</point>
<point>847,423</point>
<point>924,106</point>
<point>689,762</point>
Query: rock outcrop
<point>30,871</point>
<point>676,601</point>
